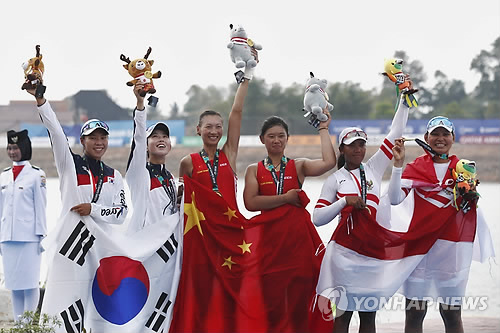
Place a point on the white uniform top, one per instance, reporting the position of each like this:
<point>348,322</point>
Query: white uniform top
<point>149,199</point>
<point>345,182</point>
<point>22,204</point>
<point>73,169</point>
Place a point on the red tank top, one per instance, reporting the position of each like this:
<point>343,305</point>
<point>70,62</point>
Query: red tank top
<point>226,178</point>
<point>266,182</point>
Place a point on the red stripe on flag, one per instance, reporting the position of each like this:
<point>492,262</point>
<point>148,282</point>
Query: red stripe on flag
<point>370,239</point>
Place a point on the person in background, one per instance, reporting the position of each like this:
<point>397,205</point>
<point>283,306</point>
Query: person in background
<point>23,200</point>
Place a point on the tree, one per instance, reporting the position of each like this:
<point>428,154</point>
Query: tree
<point>350,101</point>
<point>448,95</point>
<point>487,64</point>
<point>174,111</point>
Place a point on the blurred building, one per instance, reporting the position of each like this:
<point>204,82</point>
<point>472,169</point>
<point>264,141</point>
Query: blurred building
<point>76,109</point>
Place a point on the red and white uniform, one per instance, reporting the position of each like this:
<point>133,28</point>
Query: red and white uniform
<point>149,199</point>
<point>343,267</point>
<point>110,207</point>
<point>23,224</point>
<point>345,182</point>
<point>443,272</point>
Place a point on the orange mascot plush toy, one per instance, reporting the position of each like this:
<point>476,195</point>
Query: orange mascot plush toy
<point>141,70</point>
<point>33,74</point>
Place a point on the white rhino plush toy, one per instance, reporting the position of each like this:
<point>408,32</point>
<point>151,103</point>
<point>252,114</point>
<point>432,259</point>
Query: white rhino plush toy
<point>239,48</point>
<point>315,100</point>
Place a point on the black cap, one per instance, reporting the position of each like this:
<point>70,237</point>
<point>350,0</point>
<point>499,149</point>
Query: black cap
<point>22,140</point>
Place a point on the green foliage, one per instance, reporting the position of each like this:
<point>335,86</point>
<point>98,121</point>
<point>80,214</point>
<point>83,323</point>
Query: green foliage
<point>447,97</point>
<point>350,101</point>
<point>31,322</point>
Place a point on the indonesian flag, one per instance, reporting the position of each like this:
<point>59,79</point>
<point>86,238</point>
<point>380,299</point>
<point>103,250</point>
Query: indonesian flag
<point>371,259</point>
<point>107,281</point>
<point>240,275</point>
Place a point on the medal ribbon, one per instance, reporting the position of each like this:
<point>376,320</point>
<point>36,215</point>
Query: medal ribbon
<point>363,182</point>
<point>100,180</point>
<point>168,185</point>
<point>279,182</point>
<point>212,170</point>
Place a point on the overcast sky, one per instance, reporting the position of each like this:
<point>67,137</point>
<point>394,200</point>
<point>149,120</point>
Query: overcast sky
<point>81,41</point>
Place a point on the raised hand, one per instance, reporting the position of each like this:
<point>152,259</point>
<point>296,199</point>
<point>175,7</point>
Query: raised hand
<point>399,152</point>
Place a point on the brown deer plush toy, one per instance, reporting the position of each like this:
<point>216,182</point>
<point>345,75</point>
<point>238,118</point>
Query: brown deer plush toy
<point>140,70</point>
<point>33,71</point>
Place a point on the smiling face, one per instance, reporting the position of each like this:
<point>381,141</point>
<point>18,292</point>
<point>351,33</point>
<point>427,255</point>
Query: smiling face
<point>210,129</point>
<point>159,146</point>
<point>95,144</point>
<point>440,140</point>
<point>275,140</point>
<point>14,152</point>
<point>354,153</point>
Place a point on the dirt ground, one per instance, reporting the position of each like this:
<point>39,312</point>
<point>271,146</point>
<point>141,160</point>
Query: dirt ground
<point>487,158</point>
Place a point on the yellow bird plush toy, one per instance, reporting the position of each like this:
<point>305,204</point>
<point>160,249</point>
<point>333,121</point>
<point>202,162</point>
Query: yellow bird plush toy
<point>466,182</point>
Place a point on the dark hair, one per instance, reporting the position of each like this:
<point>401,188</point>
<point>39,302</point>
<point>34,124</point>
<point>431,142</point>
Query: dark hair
<point>340,158</point>
<point>208,113</point>
<point>271,122</point>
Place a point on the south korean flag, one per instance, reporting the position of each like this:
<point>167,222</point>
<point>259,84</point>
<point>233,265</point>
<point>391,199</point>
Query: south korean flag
<point>103,280</point>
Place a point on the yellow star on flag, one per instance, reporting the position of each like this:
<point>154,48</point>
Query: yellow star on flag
<point>245,247</point>
<point>194,216</point>
<point>228,262</point>
<point>230,213</point>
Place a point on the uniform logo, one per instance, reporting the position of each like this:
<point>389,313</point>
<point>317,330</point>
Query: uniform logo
<point>43,182</point>
<point>120,289</point>
<point>369,185</point>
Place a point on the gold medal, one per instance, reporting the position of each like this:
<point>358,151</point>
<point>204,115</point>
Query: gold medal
<point>148,74</point>
<point>250,42</point>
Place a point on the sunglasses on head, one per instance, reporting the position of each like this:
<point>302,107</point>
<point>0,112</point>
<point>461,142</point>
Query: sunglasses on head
<point>95,124</point>
<point>353,134</point>
<point>440,121</point>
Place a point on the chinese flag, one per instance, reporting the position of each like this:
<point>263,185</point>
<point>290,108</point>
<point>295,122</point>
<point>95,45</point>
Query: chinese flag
<point>240,275</point>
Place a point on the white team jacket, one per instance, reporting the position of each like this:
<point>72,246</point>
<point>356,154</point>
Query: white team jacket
<point>111,207</point>
<point>22,204</point>
<point>150,201</point>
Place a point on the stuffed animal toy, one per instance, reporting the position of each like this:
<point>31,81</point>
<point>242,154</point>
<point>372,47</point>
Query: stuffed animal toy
<point>140,70</point>
<point>33,71</point>
<point>239,48</point>
<point>393,69</point>
<point>465,175</point>
<point>315,100</point>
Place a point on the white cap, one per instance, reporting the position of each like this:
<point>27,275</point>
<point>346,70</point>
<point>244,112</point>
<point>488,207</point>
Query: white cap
<point>351,134</point>
<point>91,125</point>
<point>440,121</point>
<point>160,125</point>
